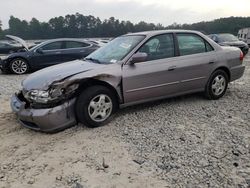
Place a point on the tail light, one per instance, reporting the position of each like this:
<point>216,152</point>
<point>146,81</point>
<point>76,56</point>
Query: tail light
<point>241,56</point>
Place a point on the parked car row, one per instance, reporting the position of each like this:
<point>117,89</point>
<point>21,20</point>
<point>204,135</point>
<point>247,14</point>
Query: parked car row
<point>131,69</point>
<point>226,39</point>
<point>99,42</point>
<point>45,54</point>
<point>13,44</point>
<point>7,48</point>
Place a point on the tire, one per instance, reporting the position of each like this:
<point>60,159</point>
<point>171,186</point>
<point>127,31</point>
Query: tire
<point>95,106</point>
<point>217,85</point>
<point>19,66</point>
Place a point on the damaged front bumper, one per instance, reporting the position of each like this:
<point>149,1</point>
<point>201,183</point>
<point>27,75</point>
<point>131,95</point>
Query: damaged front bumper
<point>45,120</point>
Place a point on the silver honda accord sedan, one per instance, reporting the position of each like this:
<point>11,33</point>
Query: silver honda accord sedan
<point>131,69</point>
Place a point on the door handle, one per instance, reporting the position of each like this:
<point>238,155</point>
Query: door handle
<point>211,62</point>
<point>171,68</point>
<point>82,51</point>
<point>58,53</point>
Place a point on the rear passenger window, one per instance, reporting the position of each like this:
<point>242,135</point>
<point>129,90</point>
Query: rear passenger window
<point>209,48</point>
<point>159,47</point>
<point>52,46</point>
<point>192,44</point>
<point>75,44</point>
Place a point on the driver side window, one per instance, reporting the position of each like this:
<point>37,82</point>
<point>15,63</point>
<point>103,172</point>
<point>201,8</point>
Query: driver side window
<point>159,47</point>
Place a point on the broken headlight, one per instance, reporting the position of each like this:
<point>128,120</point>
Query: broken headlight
<point>53,94</point>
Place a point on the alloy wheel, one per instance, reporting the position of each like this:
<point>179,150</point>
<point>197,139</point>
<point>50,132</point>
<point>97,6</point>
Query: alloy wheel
<point>218,85</point>
<point>19,66</point>
<point>100,108</point>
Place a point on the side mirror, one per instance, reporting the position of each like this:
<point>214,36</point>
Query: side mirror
<point>138,57</point>
<point>39,50</point>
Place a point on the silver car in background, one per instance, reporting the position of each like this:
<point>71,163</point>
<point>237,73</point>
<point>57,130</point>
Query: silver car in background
<point>131,69</point>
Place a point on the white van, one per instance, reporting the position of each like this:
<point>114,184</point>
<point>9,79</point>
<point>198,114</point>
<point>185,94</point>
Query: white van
<point>244,35</point>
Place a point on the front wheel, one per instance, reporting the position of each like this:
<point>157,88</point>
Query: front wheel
<point>95,106</point>
<point>19,66</point>
<point>217,85</point>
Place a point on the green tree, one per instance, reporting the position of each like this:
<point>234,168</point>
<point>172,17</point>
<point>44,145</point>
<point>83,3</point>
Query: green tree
<point>1,31</point>
<point>58,26</point>
<point>34,29</point>
<point>18,27</point>
<point>78,25</point>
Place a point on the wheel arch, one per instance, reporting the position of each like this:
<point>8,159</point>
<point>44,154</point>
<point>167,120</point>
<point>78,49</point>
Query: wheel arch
<point>93,82</point>
<point>226,69</point>
<point>18,57</point>
<point>11,59</point>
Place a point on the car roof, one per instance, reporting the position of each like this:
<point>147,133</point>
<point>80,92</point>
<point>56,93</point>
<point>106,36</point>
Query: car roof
<point>158,32</point>
<point>66,39</point>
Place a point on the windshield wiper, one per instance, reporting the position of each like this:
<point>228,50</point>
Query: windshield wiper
<point>93,60</point>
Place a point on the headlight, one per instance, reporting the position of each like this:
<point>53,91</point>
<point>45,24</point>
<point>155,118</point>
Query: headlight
<point>37,96</point>
<point>51,95</point>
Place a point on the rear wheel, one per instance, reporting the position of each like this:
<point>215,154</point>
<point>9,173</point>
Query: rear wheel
<point>95,106</point>
<point>217,85</point>
<point>19,66</point>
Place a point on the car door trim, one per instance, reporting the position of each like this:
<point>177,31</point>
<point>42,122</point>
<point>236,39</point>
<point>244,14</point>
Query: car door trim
<point>150,87</point>
<point>166,84</point>
<point>193,79</point>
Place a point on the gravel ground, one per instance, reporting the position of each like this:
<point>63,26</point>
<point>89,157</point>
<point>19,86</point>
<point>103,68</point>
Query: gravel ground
<point>186,141</point>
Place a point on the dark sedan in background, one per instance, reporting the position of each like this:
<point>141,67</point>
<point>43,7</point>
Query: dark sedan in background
<point>227,39</point>
<point>45,54</point>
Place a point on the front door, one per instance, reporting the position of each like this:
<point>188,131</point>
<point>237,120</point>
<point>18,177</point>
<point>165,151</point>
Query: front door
<point>157,76</point>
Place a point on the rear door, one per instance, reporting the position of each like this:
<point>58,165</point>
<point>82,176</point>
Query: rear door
<point>156,77</point>
<point>51,55</point>
<point>196,61</point>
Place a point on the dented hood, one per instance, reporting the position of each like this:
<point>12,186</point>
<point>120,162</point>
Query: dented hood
<point>19,40</point>
<point>44,78</point>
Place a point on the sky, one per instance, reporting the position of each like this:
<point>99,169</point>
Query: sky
<point>165,12</point>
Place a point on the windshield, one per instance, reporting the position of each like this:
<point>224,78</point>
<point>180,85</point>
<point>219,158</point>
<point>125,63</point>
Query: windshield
<point>115,50</point>
<point>38,45</point>
<point>228,38</point>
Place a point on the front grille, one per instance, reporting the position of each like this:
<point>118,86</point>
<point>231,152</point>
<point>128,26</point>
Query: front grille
<point>23,99</point>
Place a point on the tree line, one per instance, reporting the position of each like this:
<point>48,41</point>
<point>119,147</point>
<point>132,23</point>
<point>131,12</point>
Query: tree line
<point>80,26</point>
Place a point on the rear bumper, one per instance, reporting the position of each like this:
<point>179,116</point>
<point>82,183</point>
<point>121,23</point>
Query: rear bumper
<point>45,120</point>
<point>237,72</point>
